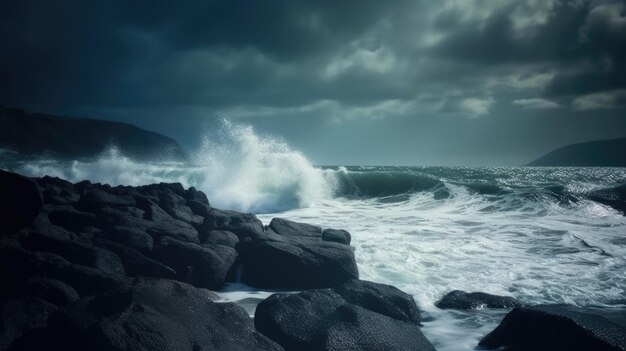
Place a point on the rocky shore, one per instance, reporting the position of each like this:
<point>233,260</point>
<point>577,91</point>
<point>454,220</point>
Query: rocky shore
<point>93,267</point>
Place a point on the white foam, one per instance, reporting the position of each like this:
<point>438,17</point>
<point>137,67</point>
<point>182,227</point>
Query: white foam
<point>240,171</point>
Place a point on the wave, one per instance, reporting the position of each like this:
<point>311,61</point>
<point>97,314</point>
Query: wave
<point>240,170</point>
<point>245,171</point>
<point>381,184</point>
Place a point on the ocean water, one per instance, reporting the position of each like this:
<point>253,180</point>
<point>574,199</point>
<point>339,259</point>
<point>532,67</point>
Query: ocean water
<point>530,233</point>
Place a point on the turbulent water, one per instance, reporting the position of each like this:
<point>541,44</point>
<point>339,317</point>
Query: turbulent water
<point>531,233</point>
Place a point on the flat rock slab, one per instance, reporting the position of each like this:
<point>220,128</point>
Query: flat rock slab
<point>557,327</point>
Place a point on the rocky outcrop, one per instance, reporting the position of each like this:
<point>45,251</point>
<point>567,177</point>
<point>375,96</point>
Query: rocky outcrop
<point>461,300</point>
<point>356,315</point>
<point>90,266</point>
<point>557,327</point>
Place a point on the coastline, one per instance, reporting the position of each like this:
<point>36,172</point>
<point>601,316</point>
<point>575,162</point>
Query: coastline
<point>89,246</point>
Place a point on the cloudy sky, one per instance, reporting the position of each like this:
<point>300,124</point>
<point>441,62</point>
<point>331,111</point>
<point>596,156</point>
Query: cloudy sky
<point>447,82</point>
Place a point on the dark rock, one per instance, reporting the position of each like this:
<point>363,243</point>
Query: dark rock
<point>173,228</point>
<point>244,225</point>
<point>337,235</point>
<point>199,208</point>
<point>51,290</point>
<point>286,227</point>
<point>18,316</point>
<point>352,327</point>
<point>20,202</point>
<point>295,263</point>
<point>355,316</point>
<point>202,266</point>
<point>176,207</point>
<point>57,191</point>
<point>71,219</point>
<point>94,199</point>
<point>192,194</point>
<point>135,263</point>
<point>75,252</point>
<point>461,300</point>
<point>155,315</point>
<point>380,298</point>
<point>555,328</point>
<point>219,237</point>
<point>17,265</point>
<point>134,237</point>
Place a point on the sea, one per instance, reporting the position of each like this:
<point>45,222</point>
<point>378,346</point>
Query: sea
<point>527,232</point>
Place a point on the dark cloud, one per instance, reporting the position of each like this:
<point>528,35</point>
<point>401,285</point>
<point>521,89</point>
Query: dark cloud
<point>333,62</point>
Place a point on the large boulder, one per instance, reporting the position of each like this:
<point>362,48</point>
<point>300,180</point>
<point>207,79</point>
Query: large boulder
<point>555,328</point>
<point>292,255</point>
<point>244,225</point>
<point>289,228</point>
<point>20,202</point>
<point>154,315</point>
<point>461,300</point>
<point>288,263</point>
<point>202,266</point>
<point>357,315</point>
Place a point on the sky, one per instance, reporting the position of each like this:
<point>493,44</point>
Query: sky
<point>351,82</point>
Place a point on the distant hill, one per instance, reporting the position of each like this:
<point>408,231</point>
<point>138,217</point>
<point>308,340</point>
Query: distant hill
<point>600,153</point>
<point>74,138</point>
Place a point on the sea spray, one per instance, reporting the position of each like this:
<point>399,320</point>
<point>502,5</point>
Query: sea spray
<point>238,169</point>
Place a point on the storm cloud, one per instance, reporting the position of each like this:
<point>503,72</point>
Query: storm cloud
<point>299,66</point>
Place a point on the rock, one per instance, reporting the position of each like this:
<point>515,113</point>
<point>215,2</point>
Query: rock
<point>71,219</point>
<point>380,298</point>
<point>202,266</point>
<point>18,316</point>
<point>286,227</point>
<point>337,235</point>
<point>155,315</point>
<point>219,237</point>
<point>357,315</point>
<point>296,263</point>
<point>199,208</point>
<point>17,265</point>
<point>555,328</point>
<point>57,191</point>
<point>173,228</point>
<point>176,207</point>
<point>95,199</point>
<point>20,202</point>
<point>461,300</point>
<point>192,194</point>
<point>135,263</point>
<point>52,290</point>
<point>244,225</point>
<point>134,237</point>
<point>355,328</point>
<point>75,252</point>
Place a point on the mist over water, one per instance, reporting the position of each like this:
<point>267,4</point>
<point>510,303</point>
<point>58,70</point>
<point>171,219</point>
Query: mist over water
<point>531,233</point>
